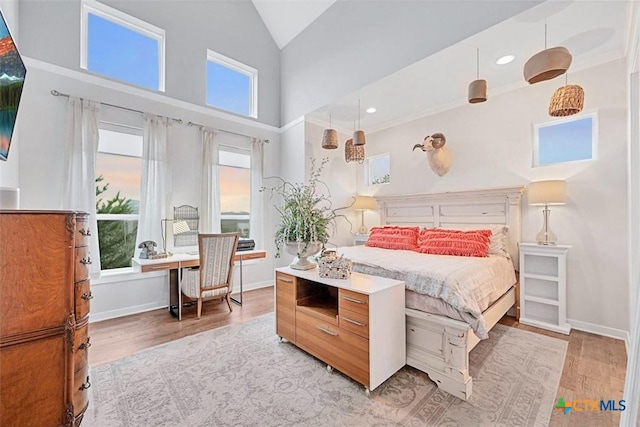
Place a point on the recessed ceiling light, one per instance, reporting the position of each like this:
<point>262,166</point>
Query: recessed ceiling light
<point>371,110</point>
<point>505,59</point>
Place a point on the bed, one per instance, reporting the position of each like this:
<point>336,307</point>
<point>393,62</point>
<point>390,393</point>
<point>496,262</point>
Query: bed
<point>439,344</point>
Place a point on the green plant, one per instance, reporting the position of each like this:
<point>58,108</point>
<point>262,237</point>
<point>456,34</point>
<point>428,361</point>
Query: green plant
<point>306,213</point>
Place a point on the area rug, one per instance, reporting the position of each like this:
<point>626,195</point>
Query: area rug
<point>241,375</point>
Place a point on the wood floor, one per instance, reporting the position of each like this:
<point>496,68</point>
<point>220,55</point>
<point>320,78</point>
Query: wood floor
<point>594,368</point>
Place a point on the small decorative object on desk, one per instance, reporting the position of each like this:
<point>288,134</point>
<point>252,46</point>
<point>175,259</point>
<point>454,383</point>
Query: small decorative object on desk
<point>333,267</point>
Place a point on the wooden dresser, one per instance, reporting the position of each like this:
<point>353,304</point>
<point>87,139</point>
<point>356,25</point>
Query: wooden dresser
<point>355,325</point>
<point>44,318</point>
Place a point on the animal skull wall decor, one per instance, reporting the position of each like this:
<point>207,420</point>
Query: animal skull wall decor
<point>439,157</point>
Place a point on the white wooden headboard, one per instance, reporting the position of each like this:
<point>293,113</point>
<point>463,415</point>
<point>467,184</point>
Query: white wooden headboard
<point>458,209</point>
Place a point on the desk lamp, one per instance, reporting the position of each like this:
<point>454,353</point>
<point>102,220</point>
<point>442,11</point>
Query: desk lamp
<point>547,193</point>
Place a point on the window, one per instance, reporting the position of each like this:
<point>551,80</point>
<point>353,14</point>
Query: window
<point>235,190</point>
<point>231,85</point>
<point>378,169</point>
<point>119,46</point>
<point>118,182</point>
<point>566,140</point>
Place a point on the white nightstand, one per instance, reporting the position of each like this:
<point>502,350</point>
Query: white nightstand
<point>543,286</point>
<point>360,239</point>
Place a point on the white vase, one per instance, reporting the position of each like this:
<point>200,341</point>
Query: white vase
<point>302,250</point>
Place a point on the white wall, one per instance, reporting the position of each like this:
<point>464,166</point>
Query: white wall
<point>42,174</point>
<point>340,178</point>
<point>50,31</point>
<point>491,146</point>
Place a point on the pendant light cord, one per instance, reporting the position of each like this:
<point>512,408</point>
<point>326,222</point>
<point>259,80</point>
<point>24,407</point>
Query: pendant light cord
<point>545,35</point>
<point>358,113</point>
<point>477,63</point>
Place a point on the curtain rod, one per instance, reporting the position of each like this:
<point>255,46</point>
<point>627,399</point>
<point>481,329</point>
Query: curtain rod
<point>56,93</point>
<point>266,141</point>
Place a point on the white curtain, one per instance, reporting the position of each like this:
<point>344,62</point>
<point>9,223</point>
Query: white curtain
<point>82,149</point>
<point>257,197</point>
<point>154,194</point>
<point>210,196</point>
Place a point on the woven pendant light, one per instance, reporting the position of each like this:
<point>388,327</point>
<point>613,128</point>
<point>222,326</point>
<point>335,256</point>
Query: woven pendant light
<point>478,87</point>
<point>358,136</point>
<point>352,152</point>
<point>547,64</point>
<point>566,101</point>
<point>330,137</point>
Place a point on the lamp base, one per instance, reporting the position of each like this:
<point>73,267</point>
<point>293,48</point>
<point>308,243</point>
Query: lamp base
<point>363,230</point>
<point>546,236</point>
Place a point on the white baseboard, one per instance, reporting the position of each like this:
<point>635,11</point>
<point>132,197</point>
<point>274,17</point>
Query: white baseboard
<point>125,311</point>
<point>256,285</point>
<point>605,331</point>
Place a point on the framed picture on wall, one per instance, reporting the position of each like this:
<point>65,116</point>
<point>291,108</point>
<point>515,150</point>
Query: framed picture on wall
<point>12,74</point>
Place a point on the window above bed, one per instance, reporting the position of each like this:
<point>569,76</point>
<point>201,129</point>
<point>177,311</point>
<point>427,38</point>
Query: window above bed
<point>378,169</point>
<point>566,140</point>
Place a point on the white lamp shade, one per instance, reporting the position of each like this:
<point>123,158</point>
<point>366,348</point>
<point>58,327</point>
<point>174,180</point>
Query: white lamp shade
<point>365,203</point>
<point>547,193</point>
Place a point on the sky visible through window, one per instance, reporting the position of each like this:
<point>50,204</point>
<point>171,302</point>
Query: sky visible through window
<point>379,170</point>
<point>565,142</point>
<point>121,53</point>
<point>228,89</point>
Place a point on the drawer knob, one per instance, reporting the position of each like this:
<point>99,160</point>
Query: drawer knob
<point>85,385</point>
<point>85,345</point>
<point>87,296</point>
<point>357,301</point>
<point>327,331</point>
<point>86,261</point>
<point>85,232</point>
<point>355,322</point>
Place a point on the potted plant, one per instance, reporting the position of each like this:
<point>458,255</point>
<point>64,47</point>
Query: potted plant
<point>305,217</point>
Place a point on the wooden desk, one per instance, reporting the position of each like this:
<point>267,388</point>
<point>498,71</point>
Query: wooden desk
<point>176,262</point>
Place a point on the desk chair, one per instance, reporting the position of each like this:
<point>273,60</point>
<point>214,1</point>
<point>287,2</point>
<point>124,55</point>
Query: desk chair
<point>212,280</point>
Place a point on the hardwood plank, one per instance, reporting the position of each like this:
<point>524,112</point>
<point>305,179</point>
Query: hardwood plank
<point>594,367</point>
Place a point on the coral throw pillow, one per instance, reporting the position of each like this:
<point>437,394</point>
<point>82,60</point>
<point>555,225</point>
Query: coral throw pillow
<point>454,242</point>
<point>394,237</point>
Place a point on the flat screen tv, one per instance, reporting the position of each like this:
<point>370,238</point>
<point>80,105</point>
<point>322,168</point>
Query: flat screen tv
<point>12,74</point>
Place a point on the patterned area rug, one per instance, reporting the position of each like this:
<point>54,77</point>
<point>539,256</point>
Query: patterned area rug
<point>241,375</point>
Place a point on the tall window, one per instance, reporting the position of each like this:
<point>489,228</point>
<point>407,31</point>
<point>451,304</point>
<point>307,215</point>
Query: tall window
<point>235,190</point>
<point>119,46</point>
<point>118,182</point>
<point>231,85</point>
<point>565,140</point>
<point>378,169</point>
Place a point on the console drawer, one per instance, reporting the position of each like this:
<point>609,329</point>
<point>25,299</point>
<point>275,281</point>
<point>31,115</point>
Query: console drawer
<point>353,301</point>
<point>82,296</point>
<point>81,386</point>
<point>82,263</point>
<point>82,232</point>
<point>345,351</point>
<point>354,322</point>
<point>81,344</point>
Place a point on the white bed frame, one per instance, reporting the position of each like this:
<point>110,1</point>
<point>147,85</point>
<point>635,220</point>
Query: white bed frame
<point>438,345</point>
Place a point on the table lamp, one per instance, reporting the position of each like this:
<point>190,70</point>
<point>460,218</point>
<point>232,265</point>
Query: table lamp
<point>547,193</point>
<point>364,203</point>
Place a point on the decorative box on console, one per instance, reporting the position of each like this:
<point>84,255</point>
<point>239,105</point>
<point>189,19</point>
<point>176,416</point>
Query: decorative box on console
<point>330,266</point>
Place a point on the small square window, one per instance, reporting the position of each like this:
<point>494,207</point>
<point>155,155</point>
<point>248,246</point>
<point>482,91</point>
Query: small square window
<point>378,170</point>
<point>231,85</point>
<point>566,140</point>
<point>121,47</point>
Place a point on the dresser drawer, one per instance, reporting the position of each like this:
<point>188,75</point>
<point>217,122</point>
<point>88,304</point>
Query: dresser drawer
<point>353,301</point>
<point>82,232</point>
<point>81,344</point>
<point>347,352</point>
<point>82,297</point>
<point>82,263</point>
<point>81,385</point>
<point>354,322</point>
<point>285,307</point>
